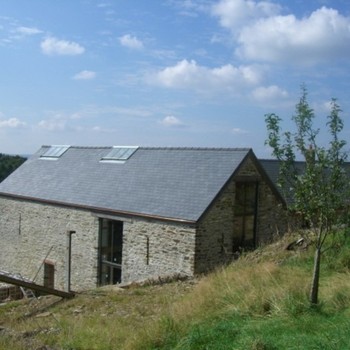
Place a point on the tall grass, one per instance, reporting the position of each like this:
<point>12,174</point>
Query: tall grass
<point>261,291</point>
<point>259,302</point>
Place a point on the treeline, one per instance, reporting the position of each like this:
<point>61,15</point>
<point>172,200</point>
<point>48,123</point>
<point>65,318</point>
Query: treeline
<point>8,164</point>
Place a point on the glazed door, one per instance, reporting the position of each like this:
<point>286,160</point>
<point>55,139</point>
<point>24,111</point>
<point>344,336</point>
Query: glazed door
<point>245,214</point>
<point>110,251</point>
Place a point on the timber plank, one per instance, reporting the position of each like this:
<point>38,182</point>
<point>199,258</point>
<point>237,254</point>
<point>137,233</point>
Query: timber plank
<point>6,278</point>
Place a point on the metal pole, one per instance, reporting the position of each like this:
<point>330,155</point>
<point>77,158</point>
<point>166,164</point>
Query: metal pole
<point>69,260</point>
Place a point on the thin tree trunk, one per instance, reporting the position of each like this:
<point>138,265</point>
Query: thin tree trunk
<point>315,277</point>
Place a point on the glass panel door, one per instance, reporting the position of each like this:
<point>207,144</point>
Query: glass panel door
<point>245,214</point>
<point>110,251</point>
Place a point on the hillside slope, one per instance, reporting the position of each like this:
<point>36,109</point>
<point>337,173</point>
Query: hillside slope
<point>258,302</point>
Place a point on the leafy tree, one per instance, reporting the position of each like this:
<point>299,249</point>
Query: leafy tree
<point>8,164</point>
<point>318,192</point>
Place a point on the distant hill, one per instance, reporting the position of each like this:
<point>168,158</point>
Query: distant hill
<point>8,164</point>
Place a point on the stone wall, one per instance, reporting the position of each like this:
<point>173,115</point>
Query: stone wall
<point>155,248</point>
<point>217,230</point>
<point>272,219</point>
<point>28,231</point>
<point>214,232</point>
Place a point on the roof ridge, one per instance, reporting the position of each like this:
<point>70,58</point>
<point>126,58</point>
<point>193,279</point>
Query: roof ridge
<point>81,147</point>
<point>198,148</point>
<point>163,148</point>
<point>277,160</point>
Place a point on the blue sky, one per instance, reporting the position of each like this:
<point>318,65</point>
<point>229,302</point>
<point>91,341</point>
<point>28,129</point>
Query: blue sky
<point>166,72</point>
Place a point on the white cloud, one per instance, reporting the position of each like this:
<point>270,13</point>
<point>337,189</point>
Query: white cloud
<point>190,8</point>
<point>269,93</point>
<point>171,121</point>
<point>53,46</point>
<point>323,36</point>
<point>59,121</point>
<point>324,107</point>
<point>76,116</point>
<point>97,111</point>
<point>18,32</point>
<point>85,75</point>
<point>55,124</point>
<point>131,42</point>
<point>99,129</point>
<point>103,5</point>
<point>189,75</point>
<point>27,30</point>
<point>238,131</point>
<point>235,13</point>
<point>12,123</point>
<point>262,33</point>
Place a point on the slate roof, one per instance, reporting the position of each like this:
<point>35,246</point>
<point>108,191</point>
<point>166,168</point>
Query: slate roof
<point>272,166</point>
<point>170,183</point>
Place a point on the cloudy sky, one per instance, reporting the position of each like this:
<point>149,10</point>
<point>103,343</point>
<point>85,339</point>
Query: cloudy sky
<point>166,72</point>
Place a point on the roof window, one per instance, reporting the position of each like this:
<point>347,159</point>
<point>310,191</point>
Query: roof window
<point>54,152</point>
<point>120,153</point>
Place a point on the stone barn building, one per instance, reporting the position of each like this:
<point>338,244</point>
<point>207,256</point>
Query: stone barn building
<point>102,215</point>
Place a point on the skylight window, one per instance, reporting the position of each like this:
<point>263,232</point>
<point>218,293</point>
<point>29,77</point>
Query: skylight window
<point>120,153</point>
<point>54,152</point>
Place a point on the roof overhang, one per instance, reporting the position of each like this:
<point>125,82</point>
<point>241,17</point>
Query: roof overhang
<point>97,210</point>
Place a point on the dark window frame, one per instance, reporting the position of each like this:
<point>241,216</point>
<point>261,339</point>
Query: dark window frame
<point>110,255</point>
<point>241,241</point>
<point>49,274</point>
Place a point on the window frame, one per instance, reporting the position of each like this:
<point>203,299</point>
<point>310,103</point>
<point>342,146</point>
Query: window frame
<point>240,239</point>
<point>54,152</point>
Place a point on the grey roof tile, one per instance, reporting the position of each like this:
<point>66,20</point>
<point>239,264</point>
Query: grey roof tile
<point>177,183</point>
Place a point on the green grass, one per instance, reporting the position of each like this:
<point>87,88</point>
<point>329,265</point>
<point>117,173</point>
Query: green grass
<point>260,302</point>
<point>308,331</point>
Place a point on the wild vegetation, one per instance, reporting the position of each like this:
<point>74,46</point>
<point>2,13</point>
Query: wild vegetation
<point>8,164</point>
<point>319,192</point>
<point>258,302</point>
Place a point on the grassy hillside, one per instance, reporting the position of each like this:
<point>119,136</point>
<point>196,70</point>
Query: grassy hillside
<point>259,302</point>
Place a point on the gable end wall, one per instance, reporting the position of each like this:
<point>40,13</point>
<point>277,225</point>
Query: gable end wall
<point>216,230</point>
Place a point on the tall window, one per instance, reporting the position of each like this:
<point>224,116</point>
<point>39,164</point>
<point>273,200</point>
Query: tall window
<point>245,214</point>
<point>110,251</point>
